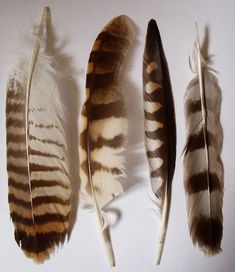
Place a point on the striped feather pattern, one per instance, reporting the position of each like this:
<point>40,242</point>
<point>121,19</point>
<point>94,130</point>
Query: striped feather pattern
<point>103,123</point>
<point>204,182</point>
<point>38,175</point>
<point>160,128</point>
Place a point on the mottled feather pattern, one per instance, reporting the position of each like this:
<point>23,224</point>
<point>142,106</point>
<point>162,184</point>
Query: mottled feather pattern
<point>37,164</point>
<point>160,128</point>
<point>204,186</point>
<point>103,123</point>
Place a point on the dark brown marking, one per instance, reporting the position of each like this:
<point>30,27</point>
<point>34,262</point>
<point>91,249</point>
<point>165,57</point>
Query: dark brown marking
<point>198,182</point>
<point>16,153</point>
<point>19,185</point>
<point>19,202</point>
<point>15,138</point>
<point>42,200</point>
<point>17,169</point>
<point>208,232</point>
<point>44,154</point>
<point>116,142</point>
<point>37,183</point>
<point>39,243</point>
<point>196,141</point>
<point>102,111</point>
<point>193,107</point>
<point>34,167</point>
<point>39,219</point>
<point>46,141</point>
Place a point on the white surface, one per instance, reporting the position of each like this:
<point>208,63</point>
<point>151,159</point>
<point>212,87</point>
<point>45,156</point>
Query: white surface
<point>135,235</point>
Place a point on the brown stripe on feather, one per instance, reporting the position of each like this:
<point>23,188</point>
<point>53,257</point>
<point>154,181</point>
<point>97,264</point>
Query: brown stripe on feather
<point>99,81</point>
<point>101,111</point>
<point>44,154</point>
<point>13,199</point>
<point>42,200</point>
<point>198,182</point>
<point>39,244</point>
<point>157,152</point>
<point>15,122</point>
<point>96,166</point>
<point>158,115</point>
<point>19,185</point>
<point>15,138</point>
<point>101,58</point>
<point>193,107</point>
<point>14,107</point>
<point>208,231</point>
<point>16,153</point>
<point>46,141</point>
<point>39,219</point>
<point>116,142</point>
<point>196,141</point>
<point>17,169</point>
<point>158,134</point>
<point>34,167</point>
<point>46,126</point>
<point>37,183</point>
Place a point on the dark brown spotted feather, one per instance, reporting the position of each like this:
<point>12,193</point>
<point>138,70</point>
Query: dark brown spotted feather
<point>103,120</point>
<point>160,128</point>
<point>37,164</point>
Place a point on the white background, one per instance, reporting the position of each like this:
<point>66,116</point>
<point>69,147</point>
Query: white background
<point>134,236</point>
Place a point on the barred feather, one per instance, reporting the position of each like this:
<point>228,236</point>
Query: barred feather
<point>203,168</point>
<point>103,123</point>
<point>160,127</point>
<point>37,164</point>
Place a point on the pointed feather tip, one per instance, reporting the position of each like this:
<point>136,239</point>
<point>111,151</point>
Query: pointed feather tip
<point>152,28</point>
<point>153,37</point>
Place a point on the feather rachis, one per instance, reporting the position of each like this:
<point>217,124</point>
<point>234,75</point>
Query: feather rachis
<point>160,128</point>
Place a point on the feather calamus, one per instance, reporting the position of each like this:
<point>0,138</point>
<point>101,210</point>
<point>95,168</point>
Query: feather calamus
<point>103,121</point>
<point>38,175</point>
<point>203,168</point>
<point>160,127</point>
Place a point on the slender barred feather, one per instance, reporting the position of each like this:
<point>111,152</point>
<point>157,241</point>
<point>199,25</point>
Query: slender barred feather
<point>37,164</point>
<point>160,127</point>
<point>103,123</point>
<point>203,168</point>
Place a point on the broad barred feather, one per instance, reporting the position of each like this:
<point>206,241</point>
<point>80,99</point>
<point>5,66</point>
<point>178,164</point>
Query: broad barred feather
<point>203,168</point>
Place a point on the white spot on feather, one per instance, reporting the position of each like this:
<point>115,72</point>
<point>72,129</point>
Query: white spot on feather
<point>152,86</point>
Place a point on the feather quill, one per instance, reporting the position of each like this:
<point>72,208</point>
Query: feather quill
<point>203,168</point>
<point>37,162</point>
<point>160,127</point>
<point>103,123</point>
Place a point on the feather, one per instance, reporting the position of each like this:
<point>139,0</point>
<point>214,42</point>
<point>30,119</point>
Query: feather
<point>203,168</point>
<point>103,124</point>
<point>37,160</point>
<point>160,127</point>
